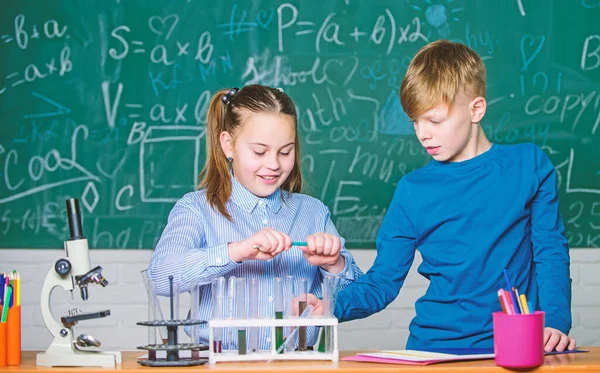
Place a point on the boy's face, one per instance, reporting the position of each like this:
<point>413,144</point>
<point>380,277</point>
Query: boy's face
<point>262,151</point>
<point>450,136</point>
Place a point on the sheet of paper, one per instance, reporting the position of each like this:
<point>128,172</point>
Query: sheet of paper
<point>367,359</point>
<point>414,357</point>
<point>423,356</point>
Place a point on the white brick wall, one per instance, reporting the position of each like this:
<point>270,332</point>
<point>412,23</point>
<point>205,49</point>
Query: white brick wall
<point>126,299</point>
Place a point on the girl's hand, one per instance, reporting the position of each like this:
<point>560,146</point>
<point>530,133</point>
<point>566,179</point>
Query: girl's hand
<point>324,250</point>
<point>263,245</point>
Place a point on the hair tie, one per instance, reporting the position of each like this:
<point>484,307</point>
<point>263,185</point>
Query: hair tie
<point>227,98</point>
<point>280,89</point>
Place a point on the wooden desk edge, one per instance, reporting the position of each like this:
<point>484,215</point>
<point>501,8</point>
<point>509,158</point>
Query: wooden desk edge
<point>581,362</point>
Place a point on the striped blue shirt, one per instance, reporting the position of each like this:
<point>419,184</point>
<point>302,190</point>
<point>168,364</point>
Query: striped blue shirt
<point>193,248</point>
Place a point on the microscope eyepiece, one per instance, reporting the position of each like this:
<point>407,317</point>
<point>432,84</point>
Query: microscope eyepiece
<point>74,217</point>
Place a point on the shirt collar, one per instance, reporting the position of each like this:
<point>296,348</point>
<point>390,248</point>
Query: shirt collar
<point>248,201</point>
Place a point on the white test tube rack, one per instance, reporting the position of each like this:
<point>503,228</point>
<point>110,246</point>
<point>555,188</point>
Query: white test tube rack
<point>271,354</point>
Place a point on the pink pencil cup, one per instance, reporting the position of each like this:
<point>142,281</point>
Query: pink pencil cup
<point>518,340</point>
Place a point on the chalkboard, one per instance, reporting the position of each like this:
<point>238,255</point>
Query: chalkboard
<point>105,101</point>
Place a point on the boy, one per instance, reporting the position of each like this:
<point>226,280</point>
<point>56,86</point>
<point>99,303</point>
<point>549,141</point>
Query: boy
<point>474,210</point>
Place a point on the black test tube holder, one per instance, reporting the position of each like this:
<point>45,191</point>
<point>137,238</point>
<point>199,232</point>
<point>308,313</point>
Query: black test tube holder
<point>172,347</point>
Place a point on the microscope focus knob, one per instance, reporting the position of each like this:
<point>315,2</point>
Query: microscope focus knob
<point>62,267</point>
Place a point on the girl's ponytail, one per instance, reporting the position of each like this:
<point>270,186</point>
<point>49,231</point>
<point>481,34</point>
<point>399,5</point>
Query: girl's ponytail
<point>215,174</point>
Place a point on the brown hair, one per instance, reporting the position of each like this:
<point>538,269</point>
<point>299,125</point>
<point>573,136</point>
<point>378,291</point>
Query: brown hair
<point>229,117</point>
<point>438,73</point>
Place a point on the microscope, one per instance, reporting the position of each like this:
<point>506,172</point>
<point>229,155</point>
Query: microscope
<point>65,349</point>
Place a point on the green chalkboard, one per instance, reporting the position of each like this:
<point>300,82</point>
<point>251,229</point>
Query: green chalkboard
<point>105,101</point>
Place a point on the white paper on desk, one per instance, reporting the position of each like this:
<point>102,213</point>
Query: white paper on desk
<point>183,354</point>
<point>423,356</point>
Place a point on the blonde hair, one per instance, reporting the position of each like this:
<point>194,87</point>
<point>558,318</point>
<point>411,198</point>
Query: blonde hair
<point>229,117</point>
<point>438,73</point>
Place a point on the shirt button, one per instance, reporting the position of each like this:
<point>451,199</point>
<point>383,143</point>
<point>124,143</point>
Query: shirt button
<point>270,298</point>
<point>260,202</point>
<point>218,260</point>
<point>269,339</point>
<point>269,260</point>
<point>265,221</point>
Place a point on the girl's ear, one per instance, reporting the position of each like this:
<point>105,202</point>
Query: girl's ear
<point>226,143</point>
<point>478,107</point>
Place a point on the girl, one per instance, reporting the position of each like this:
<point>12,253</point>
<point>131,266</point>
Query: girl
<point>248,209</point>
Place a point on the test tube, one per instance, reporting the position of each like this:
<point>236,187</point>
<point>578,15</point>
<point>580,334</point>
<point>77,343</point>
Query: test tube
<point>241,314</point>
<point>253,333</point>
<point>154,310</point>
<point>330,290</point>
<point>334,294</point>
<point>278,298</point>
<point>302,303</point>
<point>218,301</point>
<point>321,338</point>
<point>231,286</point>
<point>195,298</point>
<point>151,315</point>
<point>288,340</point>
<point>289,288</point>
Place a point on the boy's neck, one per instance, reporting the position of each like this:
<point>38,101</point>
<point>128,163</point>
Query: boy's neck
<point>480,145</point>
<point>483,144</point>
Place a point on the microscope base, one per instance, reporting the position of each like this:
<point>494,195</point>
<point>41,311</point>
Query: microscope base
<point>77,358</point>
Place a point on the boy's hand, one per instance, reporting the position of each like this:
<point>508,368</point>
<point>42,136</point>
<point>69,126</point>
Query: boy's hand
<point>324,250</point>
<point>263,245</point>
<point>554,339</point>
<point>317,303</point>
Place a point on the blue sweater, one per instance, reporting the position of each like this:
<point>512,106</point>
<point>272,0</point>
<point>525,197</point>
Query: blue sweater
<point>470,220</point>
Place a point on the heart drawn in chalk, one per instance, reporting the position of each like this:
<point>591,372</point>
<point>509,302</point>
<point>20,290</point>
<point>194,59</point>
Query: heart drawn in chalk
<point>339,71</point>
<point>531,43</point>
<point>264,18</point>
<point>158,24</point>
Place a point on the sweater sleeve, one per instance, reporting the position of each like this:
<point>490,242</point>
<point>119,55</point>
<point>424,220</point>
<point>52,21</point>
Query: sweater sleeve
<point>181,252</point>
<point>395,253</point>
<point>550,248</point>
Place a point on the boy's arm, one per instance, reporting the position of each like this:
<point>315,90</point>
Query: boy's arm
<point>179,251</point>
<point>395,253</point>
<point>550,248</point>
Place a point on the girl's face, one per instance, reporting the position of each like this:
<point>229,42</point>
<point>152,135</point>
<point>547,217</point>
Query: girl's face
<point>262,151</point>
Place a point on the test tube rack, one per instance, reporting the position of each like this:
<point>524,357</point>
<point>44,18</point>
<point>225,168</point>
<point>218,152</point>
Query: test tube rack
<point>271,354</point>
<point>172,348</point>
